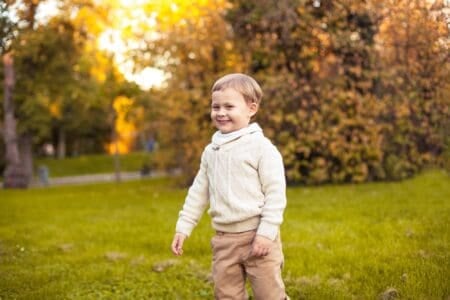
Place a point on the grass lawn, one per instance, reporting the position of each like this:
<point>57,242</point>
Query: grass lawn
<point>111,241</point>
<point>93,164</point>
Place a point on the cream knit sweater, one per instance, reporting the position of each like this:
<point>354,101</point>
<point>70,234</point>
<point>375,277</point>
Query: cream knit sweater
<point>242,179</point>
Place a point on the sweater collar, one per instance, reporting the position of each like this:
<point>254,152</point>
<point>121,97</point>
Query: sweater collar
<point>219,139</point>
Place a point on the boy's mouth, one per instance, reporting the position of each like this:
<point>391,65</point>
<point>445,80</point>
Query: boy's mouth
<point>222,122</point>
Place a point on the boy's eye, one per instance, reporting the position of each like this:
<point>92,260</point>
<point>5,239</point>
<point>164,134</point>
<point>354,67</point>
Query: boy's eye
<point>229,106</point>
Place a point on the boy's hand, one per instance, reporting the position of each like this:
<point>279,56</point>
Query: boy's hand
<point>177,244</point>
<point>261,246</point>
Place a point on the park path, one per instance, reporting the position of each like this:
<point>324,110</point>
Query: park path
<point>95,178</point>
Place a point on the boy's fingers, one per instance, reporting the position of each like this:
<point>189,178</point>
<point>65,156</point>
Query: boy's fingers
<point>180,247</point>
<point>177,244</point>
<point>259,251</point>
<point>174,247</point>
<point>256,251</point>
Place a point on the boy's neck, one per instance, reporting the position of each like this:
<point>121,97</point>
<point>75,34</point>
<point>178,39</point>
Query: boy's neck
<point>234,131</point>
<point>220,138</point>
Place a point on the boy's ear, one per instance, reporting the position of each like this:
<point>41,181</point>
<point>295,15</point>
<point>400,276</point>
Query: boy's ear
<point>253,108</point>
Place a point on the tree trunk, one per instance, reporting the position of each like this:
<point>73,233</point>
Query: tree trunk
<point>116,155</point>
<point>14,174</point>
<point>26,155</point>
<point>61,143</point>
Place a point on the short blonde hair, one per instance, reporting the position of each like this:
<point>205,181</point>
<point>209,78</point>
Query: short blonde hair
<point>244,84</point>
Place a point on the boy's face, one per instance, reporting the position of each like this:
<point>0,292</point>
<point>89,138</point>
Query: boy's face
<point>230,111</point>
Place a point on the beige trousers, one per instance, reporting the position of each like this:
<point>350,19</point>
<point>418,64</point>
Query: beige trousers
<point>232,265</point>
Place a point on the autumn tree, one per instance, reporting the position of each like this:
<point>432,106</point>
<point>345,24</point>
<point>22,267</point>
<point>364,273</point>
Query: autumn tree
<point>327,86</point>
<point>61,87</point>
<point>313,59</point>
<point>191,42</point>
<point>414,61</point>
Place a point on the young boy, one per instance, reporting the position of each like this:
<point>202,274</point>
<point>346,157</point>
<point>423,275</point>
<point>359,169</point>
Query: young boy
<point>242,179</point>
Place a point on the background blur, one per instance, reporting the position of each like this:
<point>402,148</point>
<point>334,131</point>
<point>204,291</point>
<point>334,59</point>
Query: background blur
<point>354,91</point>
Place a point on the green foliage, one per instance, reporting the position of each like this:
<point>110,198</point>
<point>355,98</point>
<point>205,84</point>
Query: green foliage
<point>111,241</point>
<point>44,63</point>
<point>64,87</point>
<point>53,92</point>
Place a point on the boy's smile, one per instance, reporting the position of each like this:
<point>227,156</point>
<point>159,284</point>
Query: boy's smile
<point>230,111</point>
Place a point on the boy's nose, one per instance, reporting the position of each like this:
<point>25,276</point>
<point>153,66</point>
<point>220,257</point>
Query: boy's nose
<point>221,112</point>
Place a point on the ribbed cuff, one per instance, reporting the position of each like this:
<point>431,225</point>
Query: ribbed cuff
<point>268,230</point>
<point>184,227</point>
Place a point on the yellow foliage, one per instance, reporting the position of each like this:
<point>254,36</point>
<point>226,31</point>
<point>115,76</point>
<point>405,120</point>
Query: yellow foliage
<point>55,110</point>
<point>98,73</point>
<point>126,129</point>
<point>89,19</point>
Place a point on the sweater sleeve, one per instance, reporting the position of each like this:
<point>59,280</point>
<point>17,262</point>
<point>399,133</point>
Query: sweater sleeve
<point>273,183</point>
<point>196,201</point>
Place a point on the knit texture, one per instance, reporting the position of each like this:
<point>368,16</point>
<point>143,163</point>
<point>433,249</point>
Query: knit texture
<point>241,178</point>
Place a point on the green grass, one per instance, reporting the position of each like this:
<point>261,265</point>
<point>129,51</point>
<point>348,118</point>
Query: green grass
<point>92,164</point>
<point>112,241</point>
